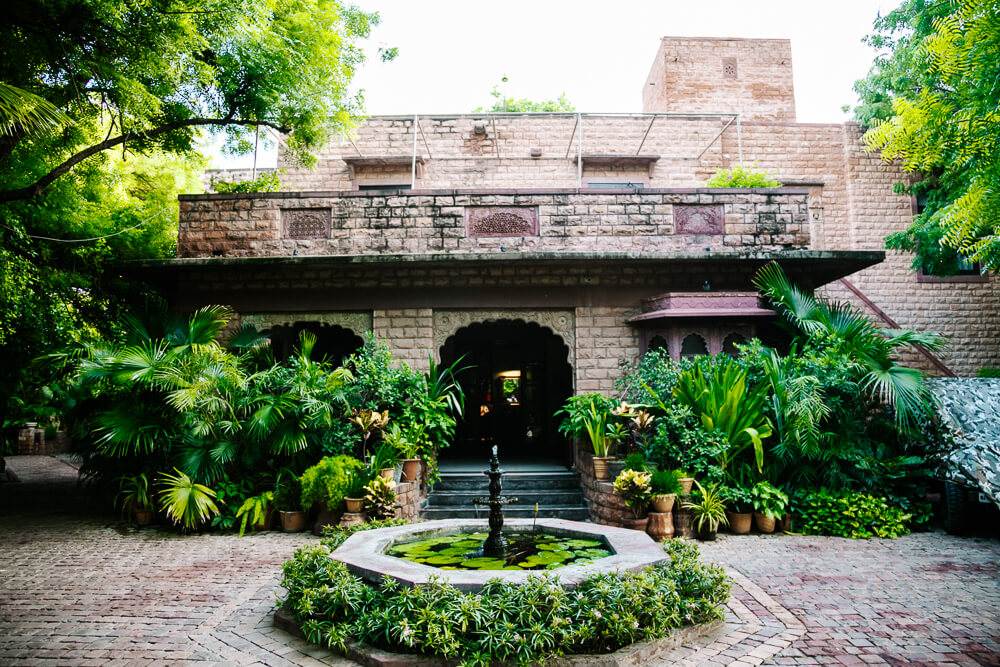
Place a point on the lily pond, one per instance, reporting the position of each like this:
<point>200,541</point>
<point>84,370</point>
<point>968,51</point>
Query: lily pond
<point>464,551</point>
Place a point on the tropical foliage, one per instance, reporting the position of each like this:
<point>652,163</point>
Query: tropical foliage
<point>739,176</point>
<point>930,100</point>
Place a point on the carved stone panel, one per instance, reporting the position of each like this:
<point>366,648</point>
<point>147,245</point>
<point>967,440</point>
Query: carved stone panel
<point>499,221</point>
<point>305,223</point>
<point>560,322</point>
<point>358,322</point>
<point>729,68</point>
<point>699,219</point>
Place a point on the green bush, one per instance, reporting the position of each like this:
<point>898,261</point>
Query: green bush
<point>846,513</point>
<point>988,372</point>
<point>328,481</point>
<point>742,177</point>
<point>521,623</point>
<point>663,482</point>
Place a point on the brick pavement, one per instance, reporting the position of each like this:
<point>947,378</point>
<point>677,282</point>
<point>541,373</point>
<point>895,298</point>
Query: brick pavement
<point>78,587</point>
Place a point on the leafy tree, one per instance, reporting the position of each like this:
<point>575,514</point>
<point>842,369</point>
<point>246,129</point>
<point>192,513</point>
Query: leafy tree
<point>942,79</point>
<point>101,106</point>
<point>503,103</point>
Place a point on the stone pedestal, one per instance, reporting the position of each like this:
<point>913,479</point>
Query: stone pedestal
<point>352,519</point>
<point>682,519</point>
<point>661,525</point>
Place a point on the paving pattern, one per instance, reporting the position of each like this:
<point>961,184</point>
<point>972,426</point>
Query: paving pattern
<point>78,587</point>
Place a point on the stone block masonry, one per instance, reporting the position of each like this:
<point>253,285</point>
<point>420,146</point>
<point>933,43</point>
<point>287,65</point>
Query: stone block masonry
<point>366,223</point>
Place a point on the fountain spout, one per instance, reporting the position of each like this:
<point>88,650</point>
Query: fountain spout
<point>496,544</point>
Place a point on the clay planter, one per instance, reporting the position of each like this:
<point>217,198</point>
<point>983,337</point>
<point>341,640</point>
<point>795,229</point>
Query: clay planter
<point>411,470</point>
<point>601,467</point>
<point>143,517</point>
<point>687,483</point>
<point>784,524</point>
<point>387,473</point>
<point>661,525</point>
<point>663,502</point>
<point>682,523</point>
<point>293,522</point>
<point>765,524</point>
<point>354,505</point>
<point>739,522</point>
<point>635,524</point>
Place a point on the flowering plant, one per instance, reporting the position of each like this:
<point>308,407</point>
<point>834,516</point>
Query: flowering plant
<point>634,488</point>
<point>380,498</point>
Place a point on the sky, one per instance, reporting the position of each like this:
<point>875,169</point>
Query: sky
<point>453,52</point>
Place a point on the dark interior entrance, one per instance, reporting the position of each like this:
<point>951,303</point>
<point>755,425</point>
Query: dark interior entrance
<point>333,343</point>
<point>518,376</point>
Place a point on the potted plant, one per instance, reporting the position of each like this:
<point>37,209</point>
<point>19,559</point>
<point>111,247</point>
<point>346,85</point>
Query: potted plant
<point>633,487</point>
<point>407,441</point>
<point>354,491</point>
<point>664,485</point>
<point>686,481</point>
<point>769,503</point>
<point>739,508</point>
<point>588,413</point>
<point>370,422</point>
<point>380,498</point>
<point>708,511</point>
<point>325,484</point>
<point>135,498</point>
<point>287,500</point>
<point>256,511</point>
<point>384,460</point>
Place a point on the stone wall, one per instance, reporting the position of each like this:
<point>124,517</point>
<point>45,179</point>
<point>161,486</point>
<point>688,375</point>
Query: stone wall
<point>410,498</point>
<point>750,76</point>
<point>605,506</point>
<point>31,440</point>
<point>356,223</point>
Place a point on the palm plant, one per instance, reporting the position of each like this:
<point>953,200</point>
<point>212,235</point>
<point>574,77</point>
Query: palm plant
<point>186,502</point>
<point>850,333</point>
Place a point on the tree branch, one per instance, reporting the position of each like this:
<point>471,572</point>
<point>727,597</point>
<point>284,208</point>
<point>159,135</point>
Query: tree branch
<point>39,186</point>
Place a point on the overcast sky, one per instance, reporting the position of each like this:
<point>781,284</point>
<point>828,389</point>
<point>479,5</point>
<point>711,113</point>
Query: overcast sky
<point>452,52</point>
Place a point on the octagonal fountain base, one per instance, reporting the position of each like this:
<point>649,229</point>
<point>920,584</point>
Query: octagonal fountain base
<point>365,555</point>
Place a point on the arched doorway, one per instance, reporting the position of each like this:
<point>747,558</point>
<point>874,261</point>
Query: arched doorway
<point>517,376</point>
<point>333,343</point>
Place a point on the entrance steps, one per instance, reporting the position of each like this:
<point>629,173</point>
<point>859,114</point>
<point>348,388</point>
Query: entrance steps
<point>557,493</point>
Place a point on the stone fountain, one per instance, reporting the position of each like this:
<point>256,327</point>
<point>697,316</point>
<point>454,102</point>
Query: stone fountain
<point>496,544</point>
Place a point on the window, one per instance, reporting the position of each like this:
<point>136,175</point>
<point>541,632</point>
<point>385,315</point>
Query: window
<point>381,187</point>
<point>693,346</point>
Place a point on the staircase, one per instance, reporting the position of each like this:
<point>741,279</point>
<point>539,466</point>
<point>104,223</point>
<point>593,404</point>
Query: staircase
<point>557,493</point>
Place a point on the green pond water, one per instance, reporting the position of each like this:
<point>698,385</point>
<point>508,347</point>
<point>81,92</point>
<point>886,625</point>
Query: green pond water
<point>464,551</point>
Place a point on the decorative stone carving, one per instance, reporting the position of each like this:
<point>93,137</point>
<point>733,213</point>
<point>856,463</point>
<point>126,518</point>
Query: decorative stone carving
<point>560,322</point>
<point>498,221</point>
<point>699,219</point>
<point>358,322</point>
<point>729,68</point>
<point>305,223</point>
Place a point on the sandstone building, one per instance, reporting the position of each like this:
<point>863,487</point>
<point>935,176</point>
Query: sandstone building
<point>548,247</point>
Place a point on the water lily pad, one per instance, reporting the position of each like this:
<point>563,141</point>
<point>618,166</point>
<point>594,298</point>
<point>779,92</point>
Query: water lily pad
<point>582,544</point>
<point>444,560</point>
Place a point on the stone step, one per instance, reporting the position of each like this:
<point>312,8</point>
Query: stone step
<point>524,497</point>
<point>569,512</point>
<point>521,481</point>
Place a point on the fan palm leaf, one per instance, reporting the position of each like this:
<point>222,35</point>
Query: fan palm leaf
<point>186,502</point>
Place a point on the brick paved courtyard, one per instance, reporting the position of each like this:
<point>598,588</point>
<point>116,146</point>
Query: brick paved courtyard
<point>79,587</point>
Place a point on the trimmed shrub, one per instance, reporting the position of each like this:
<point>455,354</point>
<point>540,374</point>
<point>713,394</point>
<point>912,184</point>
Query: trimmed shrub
<point>847,513</point>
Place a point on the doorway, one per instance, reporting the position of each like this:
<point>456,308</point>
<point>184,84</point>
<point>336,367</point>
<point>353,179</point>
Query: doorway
<point>516,376</point>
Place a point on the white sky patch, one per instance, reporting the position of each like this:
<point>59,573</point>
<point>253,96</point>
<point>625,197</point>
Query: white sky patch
<point>452,52</point>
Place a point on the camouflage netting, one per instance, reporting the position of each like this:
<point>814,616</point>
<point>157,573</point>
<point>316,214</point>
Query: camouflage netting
<point>971,407</point>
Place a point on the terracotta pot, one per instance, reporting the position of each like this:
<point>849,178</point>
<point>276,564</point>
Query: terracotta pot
<point>682,523</point>
<point>663,502</point>
<point>143,517</point>
<point>739,522</point>
<point>635,524</point>
<point>661,525</point>
<point>411,470</point>
<point>687,483</point>
<point>601,468</point>
<point>293,522</point>
<point>354,505</point>
<point>387,473</point>
<point>765,524</point>
<point>784,524</point>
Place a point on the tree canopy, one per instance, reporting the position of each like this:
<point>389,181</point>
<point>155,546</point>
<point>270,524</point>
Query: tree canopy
<point>932,104</point>
<point>502,103</point>
<point>102,105</point>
